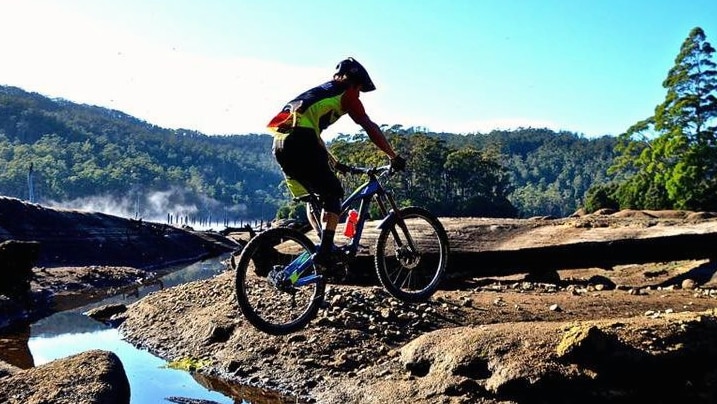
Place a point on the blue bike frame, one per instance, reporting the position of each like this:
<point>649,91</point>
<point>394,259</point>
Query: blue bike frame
<point>363,194</point>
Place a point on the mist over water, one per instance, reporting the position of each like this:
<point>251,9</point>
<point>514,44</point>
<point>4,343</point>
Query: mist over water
<point>175,206</point>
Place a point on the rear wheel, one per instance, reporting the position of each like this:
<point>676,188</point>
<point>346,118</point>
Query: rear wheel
<point>269,300</point>
<point>412,254</point>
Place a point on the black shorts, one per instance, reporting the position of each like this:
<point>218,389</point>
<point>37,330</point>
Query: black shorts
<point>304,159</point>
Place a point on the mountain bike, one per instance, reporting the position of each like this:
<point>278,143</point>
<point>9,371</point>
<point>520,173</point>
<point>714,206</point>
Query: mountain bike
<point>280,291</point>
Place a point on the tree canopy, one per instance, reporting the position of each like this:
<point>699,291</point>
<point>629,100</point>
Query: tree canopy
<point>79,152</point>
<point>669,160</point>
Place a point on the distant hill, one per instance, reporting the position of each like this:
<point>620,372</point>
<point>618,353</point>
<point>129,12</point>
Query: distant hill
<point>97,157</point>
<point>65,154</point>
<point>547,173</point>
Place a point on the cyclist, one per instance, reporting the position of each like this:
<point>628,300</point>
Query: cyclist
<point>302,154</point>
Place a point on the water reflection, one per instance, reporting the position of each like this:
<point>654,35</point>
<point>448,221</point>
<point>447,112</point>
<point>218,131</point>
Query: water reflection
<point>250,395</point>
<point>70,332</point>
<point>172,276</point>
<point>150,381</point>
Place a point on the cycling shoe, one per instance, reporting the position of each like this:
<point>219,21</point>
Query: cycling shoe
<point>330,265</point>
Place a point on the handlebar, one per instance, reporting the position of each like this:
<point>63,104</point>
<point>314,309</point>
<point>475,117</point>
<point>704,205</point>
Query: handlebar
<point>371,171</point>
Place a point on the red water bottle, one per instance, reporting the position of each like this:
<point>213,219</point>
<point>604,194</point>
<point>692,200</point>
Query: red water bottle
<point>351,221</point>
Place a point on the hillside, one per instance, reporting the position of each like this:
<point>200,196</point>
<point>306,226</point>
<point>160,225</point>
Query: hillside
<point>106,155</point>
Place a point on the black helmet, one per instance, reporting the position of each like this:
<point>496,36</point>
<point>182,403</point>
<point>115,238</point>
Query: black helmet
<point>355,72</point>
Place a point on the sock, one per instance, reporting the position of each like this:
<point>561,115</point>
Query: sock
<point>327,241</point>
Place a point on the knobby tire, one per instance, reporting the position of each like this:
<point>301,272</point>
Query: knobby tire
<point>407,275</point>
<point>265,306</point>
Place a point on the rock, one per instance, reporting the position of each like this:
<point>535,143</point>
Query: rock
<point>701,215</point>
<point>602,282</point>
<point>219,332</point>
<point>89,377</point>
<point>18,259</point>
<point>581,343</point>
<point>590,361</point>
<point>604,211</point>
<point>295,338</point>
<point>105,313</point>
<point>689,284</point>
<point>7,369</point>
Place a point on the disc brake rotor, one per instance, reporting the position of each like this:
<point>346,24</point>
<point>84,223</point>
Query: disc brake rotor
<point>407,258</point>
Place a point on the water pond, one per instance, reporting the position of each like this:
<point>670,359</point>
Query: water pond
<point>151,380</point>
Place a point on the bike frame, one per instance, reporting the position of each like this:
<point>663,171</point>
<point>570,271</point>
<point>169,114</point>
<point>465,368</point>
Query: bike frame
<point>363,195</point>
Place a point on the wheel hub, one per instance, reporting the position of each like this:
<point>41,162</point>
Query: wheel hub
<point>408,258</point>
<point>277,278</point>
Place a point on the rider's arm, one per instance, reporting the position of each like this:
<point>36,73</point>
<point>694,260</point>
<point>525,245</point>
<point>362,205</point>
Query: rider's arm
<point>356,111</point>
<point>376,136</point>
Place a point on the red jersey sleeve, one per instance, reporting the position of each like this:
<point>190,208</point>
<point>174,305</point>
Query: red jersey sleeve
<point>352,105</point>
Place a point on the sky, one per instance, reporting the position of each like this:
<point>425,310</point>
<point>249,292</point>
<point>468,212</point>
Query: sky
<point>461,66</point>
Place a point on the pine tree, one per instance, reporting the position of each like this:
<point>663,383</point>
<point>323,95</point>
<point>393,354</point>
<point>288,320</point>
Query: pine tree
<point>673,154</point>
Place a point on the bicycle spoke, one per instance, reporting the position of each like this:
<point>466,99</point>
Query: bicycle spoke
<point>265,291</point>
<point>411,255</point>
<point>398,272</point>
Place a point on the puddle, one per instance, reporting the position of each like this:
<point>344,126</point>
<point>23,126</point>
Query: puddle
<point>151,381</point>
<point>149,378</point>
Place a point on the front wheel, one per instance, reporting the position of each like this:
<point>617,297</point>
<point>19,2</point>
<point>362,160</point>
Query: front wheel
<point>412,254</point>
<point>267,297</point>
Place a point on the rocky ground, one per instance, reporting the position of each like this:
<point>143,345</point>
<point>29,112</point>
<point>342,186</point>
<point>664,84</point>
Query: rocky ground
<point>490,340</point>
<point>637,331</point>
<point>88,377</point>
<point>631,333</point>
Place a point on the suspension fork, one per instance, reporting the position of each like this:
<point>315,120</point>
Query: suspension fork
<point>387,206</point>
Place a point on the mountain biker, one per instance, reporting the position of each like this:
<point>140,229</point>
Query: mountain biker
<point>302,154</point>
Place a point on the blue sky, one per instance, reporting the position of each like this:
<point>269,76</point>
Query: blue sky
<point>225,67</point>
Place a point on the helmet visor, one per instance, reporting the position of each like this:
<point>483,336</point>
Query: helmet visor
<point>367,85</point>
<point>357,73</point>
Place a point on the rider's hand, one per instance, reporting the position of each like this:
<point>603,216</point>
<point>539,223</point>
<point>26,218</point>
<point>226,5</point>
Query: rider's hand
<point>341,167</point>
<point>398,163</point>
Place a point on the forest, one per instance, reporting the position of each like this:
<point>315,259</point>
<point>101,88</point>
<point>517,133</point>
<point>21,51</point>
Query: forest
<point>59,153</point>
<point>68,154</point>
